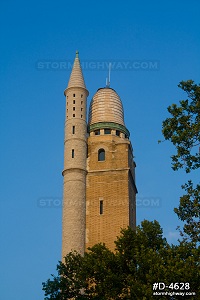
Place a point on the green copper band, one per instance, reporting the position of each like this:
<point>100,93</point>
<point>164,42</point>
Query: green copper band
<point>109,125</point>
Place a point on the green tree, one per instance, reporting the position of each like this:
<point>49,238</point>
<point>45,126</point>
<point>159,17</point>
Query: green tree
<point>142,257</point>
<point>183,130</point>
<point>68,283</point>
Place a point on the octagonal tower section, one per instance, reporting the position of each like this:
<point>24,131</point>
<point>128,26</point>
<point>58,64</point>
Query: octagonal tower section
<point>110,188</point>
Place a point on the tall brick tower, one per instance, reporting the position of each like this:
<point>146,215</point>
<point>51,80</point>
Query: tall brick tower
<point>111,190</point>
<point>99,170</point>
<point>74,173</point>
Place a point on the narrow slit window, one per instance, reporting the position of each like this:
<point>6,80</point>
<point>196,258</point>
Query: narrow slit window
<point>73,129</point>
<point>73,108</point>
<point>81,95</point>
<point>101,207</point>
<point>72,153</point>
<point>101,155</point>
<point>73,115</point>
<point>81,116</point>
<point>81,102</point>
<point>74,95</point>
<point>74,101</point>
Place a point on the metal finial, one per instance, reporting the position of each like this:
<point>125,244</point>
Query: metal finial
<point>77,53</point>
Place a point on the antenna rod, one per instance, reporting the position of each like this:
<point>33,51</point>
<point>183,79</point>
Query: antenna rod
<point>109,71</point>
<point>108,78</point>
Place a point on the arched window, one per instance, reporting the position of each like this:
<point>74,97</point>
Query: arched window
<point>101,155</point>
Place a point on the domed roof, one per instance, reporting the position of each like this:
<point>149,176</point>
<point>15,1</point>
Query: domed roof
<point>106,106</point>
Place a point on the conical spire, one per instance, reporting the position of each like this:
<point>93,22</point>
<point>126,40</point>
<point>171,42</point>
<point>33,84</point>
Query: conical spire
<point>76,77</point>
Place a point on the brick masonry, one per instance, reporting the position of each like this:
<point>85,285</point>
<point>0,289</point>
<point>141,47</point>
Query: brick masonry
<point>98,196</point>
<point>109,181</point>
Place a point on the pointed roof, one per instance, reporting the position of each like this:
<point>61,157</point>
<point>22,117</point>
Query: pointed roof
<point>76,77</point>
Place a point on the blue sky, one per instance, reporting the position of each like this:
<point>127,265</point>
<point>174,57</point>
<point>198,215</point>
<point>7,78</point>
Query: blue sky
<point>33,110</point>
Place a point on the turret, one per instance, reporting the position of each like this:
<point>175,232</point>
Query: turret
<point>75,154</point>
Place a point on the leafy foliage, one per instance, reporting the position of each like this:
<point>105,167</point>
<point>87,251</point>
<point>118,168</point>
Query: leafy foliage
<point>142,257</point>
<point>183,130</point>
<point>189,210</point>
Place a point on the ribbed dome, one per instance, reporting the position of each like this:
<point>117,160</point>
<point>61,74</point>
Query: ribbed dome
<point>106,106</point>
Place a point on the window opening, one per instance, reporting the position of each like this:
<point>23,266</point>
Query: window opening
<point>101,155</point>
<point>97,132</point>
<point>117,132</point>
<point>101,207</point>
<point>107,131</point>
